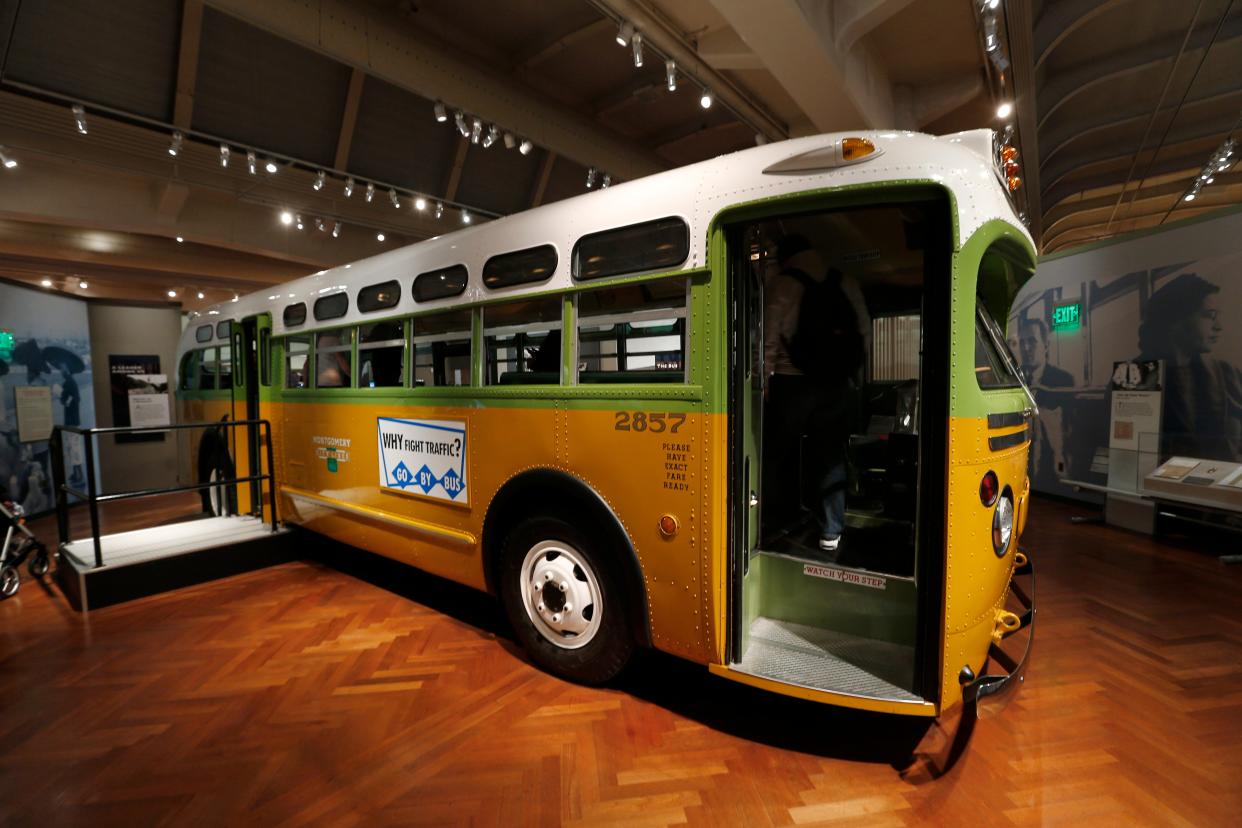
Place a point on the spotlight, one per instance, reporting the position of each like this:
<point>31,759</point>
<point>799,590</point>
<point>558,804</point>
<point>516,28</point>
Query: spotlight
<point>991,4</point>
<point>370,192</point>
<point>180,239</point>
<point>174,146</point>
<point>441,113</point>
<point>252,163</point>
<point>439,209</point>
<point>525,147</point>
<point>490,138</point>
<point>379,236</point>
<point>706,100</point>
<point>590,182</point>
<point>349,187</point>
<point>9,163</point>
<point>460,118</point>
<point>297,221</point>
<point>638,50</point>
<point>270,167</point>
<point>320,225</point>
<point>83,285</point>
<point>320,178</point>
<point>79,118</point>
<point>1188,197</point>
<point>465,217</point>
<point>392,196</point>
<point>46,283</point>
<point>670,74</point>
<point>606,183</point>
<point>172,294</point>
<point>476,131</point>
<point>420,204</point>
<point>510,140</point>
<point>336,230</point>
<point>199,294</point>
<point>1004,110</point>
<point>286,217</point>
<point>225,152</point>
<point>625,33</point>
<point>234,299</point>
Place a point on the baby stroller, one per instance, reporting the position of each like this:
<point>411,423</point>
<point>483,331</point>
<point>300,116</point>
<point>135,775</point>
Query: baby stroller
<point>19,544</point>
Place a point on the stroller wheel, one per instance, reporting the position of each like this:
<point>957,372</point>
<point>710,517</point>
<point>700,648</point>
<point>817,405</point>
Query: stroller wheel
<point>9,582</point>
<point>38,565</point>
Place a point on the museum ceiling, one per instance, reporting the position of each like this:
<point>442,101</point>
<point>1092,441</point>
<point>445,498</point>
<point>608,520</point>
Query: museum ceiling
<point>1118,107</point>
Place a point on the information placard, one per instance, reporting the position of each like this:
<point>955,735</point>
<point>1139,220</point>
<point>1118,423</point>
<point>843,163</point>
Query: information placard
<point>34,412</point>
<point>423,457</point>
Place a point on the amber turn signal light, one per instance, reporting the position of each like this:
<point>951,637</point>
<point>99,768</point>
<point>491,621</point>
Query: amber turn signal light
<point>1014,183</point>
<point>854,148</point>
<point>1008,153</point>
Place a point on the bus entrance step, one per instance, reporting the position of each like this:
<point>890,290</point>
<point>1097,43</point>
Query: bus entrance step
<point>828,660</point>
<point>162,558</point>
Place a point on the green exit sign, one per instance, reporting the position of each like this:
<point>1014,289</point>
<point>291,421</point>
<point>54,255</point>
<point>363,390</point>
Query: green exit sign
<point>1067,317</point>
<point>6,345</point>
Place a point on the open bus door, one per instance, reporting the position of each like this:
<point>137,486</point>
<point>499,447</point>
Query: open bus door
<point>251,341</point>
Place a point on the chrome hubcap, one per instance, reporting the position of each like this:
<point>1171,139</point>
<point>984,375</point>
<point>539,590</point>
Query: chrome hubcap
<point>561,594</point>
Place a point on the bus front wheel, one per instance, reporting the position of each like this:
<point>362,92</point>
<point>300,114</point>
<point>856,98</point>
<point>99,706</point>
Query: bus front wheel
<point>564,600</point>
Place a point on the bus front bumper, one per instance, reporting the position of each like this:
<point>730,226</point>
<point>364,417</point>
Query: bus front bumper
<point>994,690</point>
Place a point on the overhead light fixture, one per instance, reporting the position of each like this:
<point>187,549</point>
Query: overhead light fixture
<point>180,239</point>
<point>510,140</point>
<point>83,285</point>
<point>465,217</point>
<point>172,294</point>
<point>441,112</point>
<point>493,132</point>
<point>320,178</point>
<point>670,74</point>
<point>991,40</point>
<point>321,225</point>
<point>8,162</point>
<point>270,167</point>
<point>526,146</point>
<point>286,217</point>
<point>199,294</point>
<point>234,299</point>
<point>606,183</point>
<point>349,187</point>
<point>1188,197</point>
<point>252,163</point>
<point>392,196</point>
<point>46,282</point>
<point>625,32</point>
<point>459,118</point>
<point>992,5</point>
<point>174,146</point>
<point>590,181</point>
<point>420,203</point>
<point>379,236</point>
<point>439,209</point>
<point>225,152</point>
<point>297,221</point>
<point>476,130</point>
<point>79,118</point>
<point>370,192</point>
<point>637,43</point>
<point>336,230</point>
<point>1004,110</point>
<point>705,100</point>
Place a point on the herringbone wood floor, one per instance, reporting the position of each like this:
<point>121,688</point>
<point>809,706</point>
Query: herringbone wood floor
<point>305,694</point>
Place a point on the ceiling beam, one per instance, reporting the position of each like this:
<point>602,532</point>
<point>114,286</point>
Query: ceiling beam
<point>1150,218</point>
<point>382,43</point>
<point>837,88</point>
<point>459,164</point>
<point>187,62</point>
<point>541,183</point>
<point>1189,162</point>
<point>1069,215</point>
<point>544,51</point>
<point>921,105</point>
<point>724,49</point>
<point>349,118</point>
<point>856,18</point>
<point>1059,20</point>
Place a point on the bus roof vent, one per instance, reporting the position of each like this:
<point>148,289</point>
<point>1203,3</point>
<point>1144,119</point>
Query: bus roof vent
<point>840,153</point>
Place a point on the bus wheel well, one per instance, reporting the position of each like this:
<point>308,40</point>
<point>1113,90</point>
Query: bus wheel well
<point>554,493</point>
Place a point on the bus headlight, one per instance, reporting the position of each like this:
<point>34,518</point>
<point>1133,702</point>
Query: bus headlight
<point>1002,523</point>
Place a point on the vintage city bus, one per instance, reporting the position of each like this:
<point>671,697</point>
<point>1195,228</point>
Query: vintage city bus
<point>565,407</point>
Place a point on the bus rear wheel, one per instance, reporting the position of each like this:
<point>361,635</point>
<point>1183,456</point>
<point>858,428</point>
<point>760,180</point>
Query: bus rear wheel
<point>564,601</point>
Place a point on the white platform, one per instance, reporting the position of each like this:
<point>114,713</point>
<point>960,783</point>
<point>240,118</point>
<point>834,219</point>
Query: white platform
<point>143,545</point>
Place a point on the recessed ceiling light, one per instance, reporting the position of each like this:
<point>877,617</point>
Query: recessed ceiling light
<point>286,217</point>
<point>46,283</point>
<point>199,294</point>
<point>83,285</point>
<point>379,236</point>
<point>1004,110</point>
<point>180,239</point>
<point>420,203</point>
<point>172,294</point>
<point>270,166</point>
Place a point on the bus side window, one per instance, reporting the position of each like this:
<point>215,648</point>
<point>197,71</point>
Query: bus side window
<point>297,359</point>
<point>381,355</point>
<point>265,357</point>
<point>207,370</point>
<point>442,353</point>
<point>186,375</point>
<point>333,358</point>
<point>523,342</point>
<point>225,371</point>
<point>633,333</point>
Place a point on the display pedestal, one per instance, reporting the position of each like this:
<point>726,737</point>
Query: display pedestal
<point>1131,512</point>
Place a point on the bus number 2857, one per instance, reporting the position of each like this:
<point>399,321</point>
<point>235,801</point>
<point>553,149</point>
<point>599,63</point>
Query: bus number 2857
<point>642,421</point>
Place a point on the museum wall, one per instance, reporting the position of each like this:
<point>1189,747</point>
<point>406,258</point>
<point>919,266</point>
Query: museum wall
<point>1173,295</point>
<point>45,368</point>
<point>127,339</point>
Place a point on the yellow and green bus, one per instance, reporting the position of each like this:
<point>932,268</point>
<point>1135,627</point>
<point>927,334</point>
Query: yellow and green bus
<point>566,407</point>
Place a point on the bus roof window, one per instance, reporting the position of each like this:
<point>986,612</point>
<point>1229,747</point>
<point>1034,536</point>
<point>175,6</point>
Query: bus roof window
<point>331,307</point>
<point>440,284</point>
<point>535,264</point>
<point>203,333</point>
<point>223,328</point>
<point>295,314</point>
<point>378,297</point>
<point>638,248</point>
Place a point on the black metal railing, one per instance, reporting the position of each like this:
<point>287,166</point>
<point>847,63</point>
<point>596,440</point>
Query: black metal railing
<point>93,498</point>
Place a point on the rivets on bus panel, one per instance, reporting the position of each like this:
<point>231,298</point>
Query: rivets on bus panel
<point>668,526</point>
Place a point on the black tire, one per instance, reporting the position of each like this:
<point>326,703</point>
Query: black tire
<point>213,457</point>
<point>10,580</point>
<point>540,545</point>
<point>38,564</point>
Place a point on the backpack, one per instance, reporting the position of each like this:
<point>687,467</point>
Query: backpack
<point>826,344</point>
